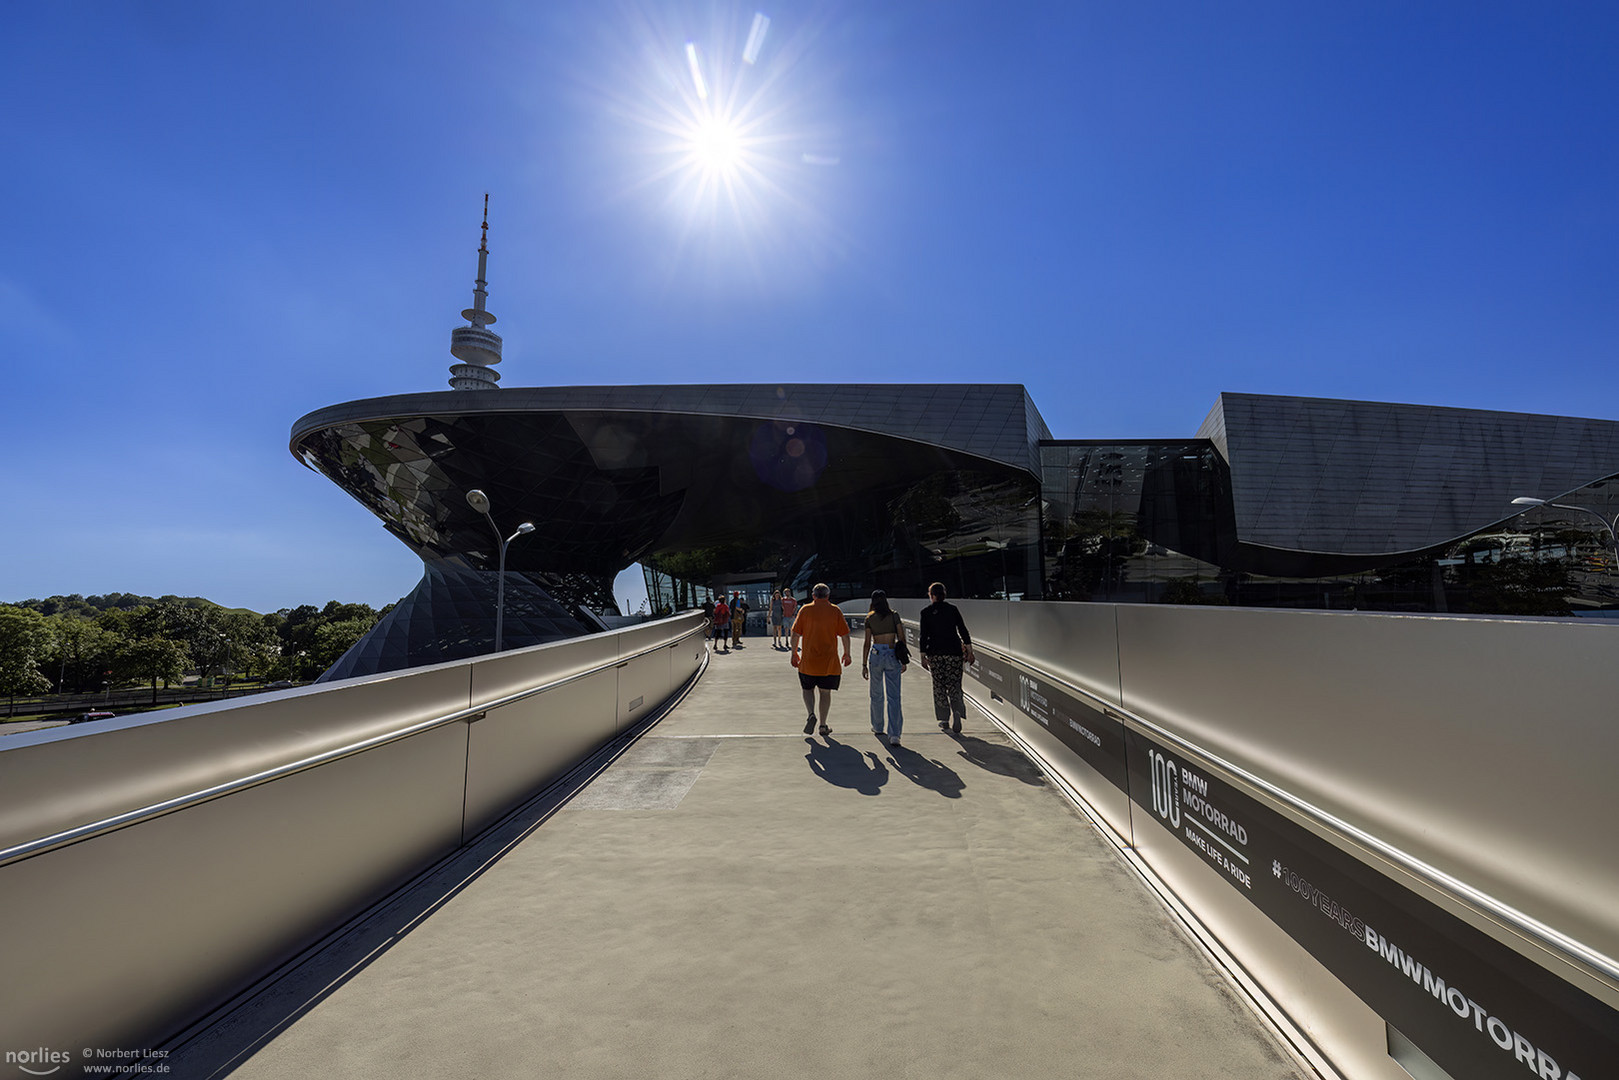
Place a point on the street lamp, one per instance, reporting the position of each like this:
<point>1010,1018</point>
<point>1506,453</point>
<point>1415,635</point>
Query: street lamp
<point>480,502</point>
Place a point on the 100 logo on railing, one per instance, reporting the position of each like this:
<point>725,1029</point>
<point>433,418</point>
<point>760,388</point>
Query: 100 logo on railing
<point>1165,788</point>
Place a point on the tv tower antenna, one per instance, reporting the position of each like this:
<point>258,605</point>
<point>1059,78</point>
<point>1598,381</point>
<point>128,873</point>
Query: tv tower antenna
<point>476,346</point>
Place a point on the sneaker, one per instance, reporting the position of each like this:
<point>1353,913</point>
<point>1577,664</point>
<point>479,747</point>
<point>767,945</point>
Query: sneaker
<point>893,740</point>
<point>944,725</point>
<point>809,726</point>
<point>955,728</point>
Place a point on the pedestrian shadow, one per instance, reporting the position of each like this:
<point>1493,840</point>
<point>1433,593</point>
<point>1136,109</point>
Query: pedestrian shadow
<point>998,758</point>
<point>843,766</point>
<point>925,772</point>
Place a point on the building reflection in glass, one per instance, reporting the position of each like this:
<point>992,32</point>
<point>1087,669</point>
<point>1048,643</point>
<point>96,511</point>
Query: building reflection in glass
<point>1152,523</point>
<point>1136,522</point>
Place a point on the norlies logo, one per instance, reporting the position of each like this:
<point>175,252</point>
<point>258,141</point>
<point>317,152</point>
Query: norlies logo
<point>45,1061</point>
<point>1540,1063</point>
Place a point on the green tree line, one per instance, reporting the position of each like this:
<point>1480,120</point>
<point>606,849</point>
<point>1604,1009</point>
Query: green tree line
<point>74,643</point>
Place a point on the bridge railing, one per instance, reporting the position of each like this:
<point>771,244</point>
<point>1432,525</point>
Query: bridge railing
<point>152,866</point>
<point>1380,818</point>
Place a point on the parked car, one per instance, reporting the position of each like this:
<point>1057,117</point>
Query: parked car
<point>85,717</point>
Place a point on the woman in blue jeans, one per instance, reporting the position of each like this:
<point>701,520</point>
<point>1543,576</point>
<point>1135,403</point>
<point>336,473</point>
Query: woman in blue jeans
<point>879,665</point>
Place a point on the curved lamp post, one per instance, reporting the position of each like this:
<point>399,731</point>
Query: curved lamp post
<point>480,502</point>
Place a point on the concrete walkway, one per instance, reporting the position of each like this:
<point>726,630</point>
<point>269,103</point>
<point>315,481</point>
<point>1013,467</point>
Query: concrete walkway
<point>733,899</point>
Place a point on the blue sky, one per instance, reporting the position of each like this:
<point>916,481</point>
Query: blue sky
<point>219,217</point>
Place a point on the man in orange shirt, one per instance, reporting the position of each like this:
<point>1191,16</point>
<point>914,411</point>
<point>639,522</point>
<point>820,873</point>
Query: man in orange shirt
<point>819,624</point>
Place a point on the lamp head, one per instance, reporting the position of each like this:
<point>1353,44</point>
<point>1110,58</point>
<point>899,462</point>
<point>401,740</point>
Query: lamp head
<point>1525,500</point>
<point>478,501</point>
<point>526,527</point>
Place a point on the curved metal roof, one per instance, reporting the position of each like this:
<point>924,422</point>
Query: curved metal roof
<point>994,421</point>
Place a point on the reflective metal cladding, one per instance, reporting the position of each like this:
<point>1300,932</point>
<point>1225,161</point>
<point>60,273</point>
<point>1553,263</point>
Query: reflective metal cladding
<point>853,484</point>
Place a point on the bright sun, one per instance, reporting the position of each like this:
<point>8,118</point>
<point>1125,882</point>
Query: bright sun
<point>736,133</point>
<point>715,144</point>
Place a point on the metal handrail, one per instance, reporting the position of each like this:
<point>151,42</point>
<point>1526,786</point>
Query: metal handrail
<point>1555,940</point>
<point>230,787</point>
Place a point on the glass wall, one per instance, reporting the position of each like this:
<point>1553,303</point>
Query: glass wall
<point>1136,522</point>
<point>1152,523</point>
<point>975,530</point>
<point>1550,560</point>
<point>667,594</point>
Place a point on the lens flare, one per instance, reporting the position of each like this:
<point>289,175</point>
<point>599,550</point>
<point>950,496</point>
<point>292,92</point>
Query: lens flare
<point>696,71</point>
<point>756,38</point>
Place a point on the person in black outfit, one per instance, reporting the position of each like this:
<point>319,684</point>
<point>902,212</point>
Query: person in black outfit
<point>944,645</point>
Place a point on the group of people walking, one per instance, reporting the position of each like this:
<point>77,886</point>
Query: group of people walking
<point>727,620</point>
<point>943,642</point>
<point>813,631</point>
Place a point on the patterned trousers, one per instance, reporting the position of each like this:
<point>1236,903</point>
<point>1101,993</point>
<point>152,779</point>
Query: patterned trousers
<point>947,687</point>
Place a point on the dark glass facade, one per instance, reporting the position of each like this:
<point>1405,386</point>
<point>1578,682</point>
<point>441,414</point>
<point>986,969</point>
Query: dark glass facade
<point>862,487</point>
<point>1154,523</point>
<point>1135,522</point>
<point>919,515</point>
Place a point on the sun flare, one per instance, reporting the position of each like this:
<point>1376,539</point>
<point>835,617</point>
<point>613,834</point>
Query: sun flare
<point>716,145</point>
<point>729,133</point>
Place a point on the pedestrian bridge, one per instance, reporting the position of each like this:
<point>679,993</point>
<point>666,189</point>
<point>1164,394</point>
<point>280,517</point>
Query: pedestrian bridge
<point>1171,841</point>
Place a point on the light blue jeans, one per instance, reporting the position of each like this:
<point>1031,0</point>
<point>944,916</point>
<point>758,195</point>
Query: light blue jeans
<point>885,676</point>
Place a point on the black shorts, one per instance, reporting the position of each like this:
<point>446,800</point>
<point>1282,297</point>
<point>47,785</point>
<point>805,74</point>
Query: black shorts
<point>824,682</point>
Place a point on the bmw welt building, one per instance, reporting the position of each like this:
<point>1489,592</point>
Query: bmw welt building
<point>1278,501</point>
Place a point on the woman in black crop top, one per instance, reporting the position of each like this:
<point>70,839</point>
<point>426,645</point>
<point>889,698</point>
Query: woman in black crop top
<point>880,666</point>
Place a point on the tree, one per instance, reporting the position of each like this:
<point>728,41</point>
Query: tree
<point>297,631</point>
<point>152,658</point>
<point>309,646</point>
<point>204,633</point>
<point>25,638</point>
<point>254,646</point>
<point>333,639</point>
<point>1181,590</point>
<point>335,612</point>
<point>1514,585</point>
<point>81,651</point>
